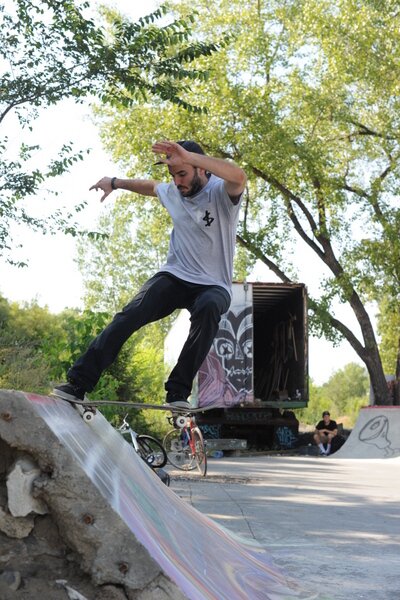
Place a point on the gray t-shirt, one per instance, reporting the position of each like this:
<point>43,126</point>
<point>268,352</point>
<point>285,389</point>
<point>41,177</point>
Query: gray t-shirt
<point>202,243</point>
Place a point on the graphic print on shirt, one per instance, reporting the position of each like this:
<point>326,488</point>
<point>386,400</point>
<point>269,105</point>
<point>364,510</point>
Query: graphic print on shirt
<point>208,218</point>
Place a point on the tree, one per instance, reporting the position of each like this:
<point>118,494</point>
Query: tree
<point>115,268</point>
<point>389,331</point>
<point>307,102</point>
<point>50,50</point>
<point>317,403</point>
<point>345,385</point>
<point>24,333</point>
<point>37,348</point>
<point>343,395</point>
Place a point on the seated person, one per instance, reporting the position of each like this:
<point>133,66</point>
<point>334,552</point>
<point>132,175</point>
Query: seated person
<point>325,431</point>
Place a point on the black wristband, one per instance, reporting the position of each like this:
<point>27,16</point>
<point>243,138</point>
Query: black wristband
<point>113,183</point>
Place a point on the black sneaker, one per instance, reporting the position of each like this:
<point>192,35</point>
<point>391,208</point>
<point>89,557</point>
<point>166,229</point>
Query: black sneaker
<point>69,391</point>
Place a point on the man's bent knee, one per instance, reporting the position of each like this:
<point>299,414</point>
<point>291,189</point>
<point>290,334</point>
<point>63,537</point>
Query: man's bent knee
<point>211,304</point>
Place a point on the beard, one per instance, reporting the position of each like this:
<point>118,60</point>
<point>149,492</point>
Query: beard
<point>195,186</point>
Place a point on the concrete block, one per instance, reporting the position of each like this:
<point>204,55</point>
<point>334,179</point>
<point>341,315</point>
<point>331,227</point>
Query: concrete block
<point>19,488</point>
<point>15,528</point>
<point>12,579</point>
<point>226,444</point>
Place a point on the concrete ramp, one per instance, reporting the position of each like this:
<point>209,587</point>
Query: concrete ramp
<point>203,560</point>
<point>375,435</point>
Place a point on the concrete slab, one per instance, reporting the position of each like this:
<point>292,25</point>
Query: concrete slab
<point>204,560</point>
<point>226,444</point>
<point>375,435</point>
<point>331,522</point>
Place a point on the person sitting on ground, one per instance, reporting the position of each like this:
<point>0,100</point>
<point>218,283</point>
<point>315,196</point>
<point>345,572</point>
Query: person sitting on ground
<point>325,431</point>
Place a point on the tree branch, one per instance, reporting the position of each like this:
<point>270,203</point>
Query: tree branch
<point>364,130</point>
<point>289,198</point>
<point>341,327</point>
<point>261,256</point>
<point>372,197</point>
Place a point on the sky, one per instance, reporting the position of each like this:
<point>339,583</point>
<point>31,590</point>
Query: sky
<point>52,277</point>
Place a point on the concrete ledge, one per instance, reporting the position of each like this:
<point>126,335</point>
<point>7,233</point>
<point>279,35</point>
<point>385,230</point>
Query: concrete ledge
<point>226,444</point>
<point>96,539</point>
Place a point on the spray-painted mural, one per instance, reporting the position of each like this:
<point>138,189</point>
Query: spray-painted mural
<point>226,377</point>
<point>376,433</point>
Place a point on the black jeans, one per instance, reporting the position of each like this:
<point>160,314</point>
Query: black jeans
<point>158,298</point>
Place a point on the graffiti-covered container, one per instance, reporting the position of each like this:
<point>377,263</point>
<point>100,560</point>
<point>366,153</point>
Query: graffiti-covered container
<point>259,358</point>
<point>225,378</point>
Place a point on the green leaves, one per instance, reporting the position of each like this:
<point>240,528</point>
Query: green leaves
<point>307,101</point>
<point>50,50</point>
<point>343,395</point>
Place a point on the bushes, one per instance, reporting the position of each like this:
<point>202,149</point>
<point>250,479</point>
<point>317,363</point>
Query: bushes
<point>343,395</point>
<point>37,348</point>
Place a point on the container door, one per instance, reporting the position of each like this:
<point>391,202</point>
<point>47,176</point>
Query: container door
<point>225,379</point>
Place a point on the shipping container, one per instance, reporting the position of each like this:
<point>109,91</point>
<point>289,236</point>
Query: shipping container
<point>256,372</point>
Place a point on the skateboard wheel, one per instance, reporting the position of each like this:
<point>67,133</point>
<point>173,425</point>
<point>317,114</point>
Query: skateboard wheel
<point>88,416</point>
<point>180,421</point>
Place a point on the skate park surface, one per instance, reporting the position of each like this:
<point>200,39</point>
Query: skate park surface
<point>376,434</point>
<point>329,526</point>
<point>195,554</point>
<point>333,522</point>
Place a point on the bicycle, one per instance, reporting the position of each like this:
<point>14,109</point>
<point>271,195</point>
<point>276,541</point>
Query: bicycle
<point>185,445</point>
<point>149,448</point>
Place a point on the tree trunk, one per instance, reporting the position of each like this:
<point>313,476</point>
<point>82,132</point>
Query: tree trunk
<point>397,382</point>
<point>369,353</point>
<point>379,384</point>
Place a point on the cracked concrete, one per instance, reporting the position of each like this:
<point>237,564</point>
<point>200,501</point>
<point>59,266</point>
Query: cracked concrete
<point>81,541</point>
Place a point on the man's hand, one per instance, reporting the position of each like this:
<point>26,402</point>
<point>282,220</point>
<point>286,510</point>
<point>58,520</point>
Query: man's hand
<point>234,177</point>
<point>174,153</point>
<point>105,185</point>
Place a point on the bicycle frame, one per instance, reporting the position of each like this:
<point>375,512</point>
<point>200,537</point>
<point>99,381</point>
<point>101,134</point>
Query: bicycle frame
<point>148,448</point>
<point>191,427</point>
<point>124,429</point>
<point>191,437</point>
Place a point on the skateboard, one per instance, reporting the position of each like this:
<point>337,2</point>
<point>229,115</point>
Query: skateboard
<point>88,407</point>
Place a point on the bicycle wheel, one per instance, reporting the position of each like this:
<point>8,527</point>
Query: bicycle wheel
<point>200,451</point>
<point>152,451</point>
<point>178,450</point>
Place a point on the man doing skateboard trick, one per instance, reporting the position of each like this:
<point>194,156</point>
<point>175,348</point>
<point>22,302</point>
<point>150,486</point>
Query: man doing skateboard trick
<point>203,201</point>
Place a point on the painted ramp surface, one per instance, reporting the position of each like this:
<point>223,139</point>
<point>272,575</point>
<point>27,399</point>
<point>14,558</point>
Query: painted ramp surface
<point>205,560</point>
<point>375,435</point>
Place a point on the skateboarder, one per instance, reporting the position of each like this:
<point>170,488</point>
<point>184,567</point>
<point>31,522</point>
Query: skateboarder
<point>325,431</point>
<point>203,201</point>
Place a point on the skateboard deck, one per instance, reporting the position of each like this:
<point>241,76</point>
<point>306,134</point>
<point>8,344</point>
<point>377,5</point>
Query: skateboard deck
<point>137,405</point>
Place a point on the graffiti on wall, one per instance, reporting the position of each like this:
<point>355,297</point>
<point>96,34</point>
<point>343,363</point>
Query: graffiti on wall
<point>376,433</point>
<point>285,437</point>
<point>211,432</point>
<point>226,376</point>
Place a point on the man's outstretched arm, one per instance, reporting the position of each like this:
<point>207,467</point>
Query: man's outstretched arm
<point>145,187</point>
